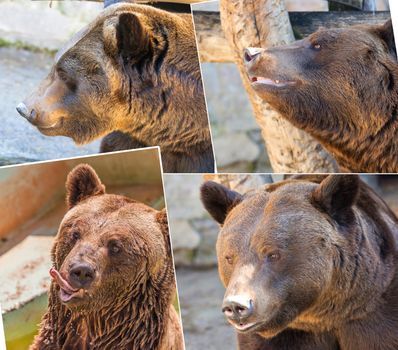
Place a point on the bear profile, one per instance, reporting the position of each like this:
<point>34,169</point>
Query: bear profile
<point>133,77</point>
<point>113,278</point>
<point>340,86</point>
<point>308,263</point>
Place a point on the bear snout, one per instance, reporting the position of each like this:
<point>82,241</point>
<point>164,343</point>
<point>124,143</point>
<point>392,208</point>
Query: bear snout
<point>251,53</point>
<point>238,308</point>
<point>81,275</point>
<point>24,111</point>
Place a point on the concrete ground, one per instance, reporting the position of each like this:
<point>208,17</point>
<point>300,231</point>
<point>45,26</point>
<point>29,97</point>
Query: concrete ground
<point>201,294</point>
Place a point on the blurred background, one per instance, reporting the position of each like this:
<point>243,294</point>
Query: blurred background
<point>32,203</point>
<point>238,144</point>
<point>194,236</point>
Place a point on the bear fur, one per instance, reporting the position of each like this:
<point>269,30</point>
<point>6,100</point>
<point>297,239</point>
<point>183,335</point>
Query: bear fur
<point>340,86</point>
<point>133,76</point>
<point>311,262</point>
<point>113,276</point>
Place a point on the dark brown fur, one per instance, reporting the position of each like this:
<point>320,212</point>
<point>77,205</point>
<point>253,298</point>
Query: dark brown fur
<point>344,92</point>
<point>317,256</point>
<point>129,304</point>
<point>133,75</point>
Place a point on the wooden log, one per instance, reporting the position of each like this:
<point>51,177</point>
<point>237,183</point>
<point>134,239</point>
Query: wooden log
<point>213,47</point>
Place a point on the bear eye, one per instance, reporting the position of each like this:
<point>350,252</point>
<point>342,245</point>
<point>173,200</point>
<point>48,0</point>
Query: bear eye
<point>273,256</point>
<point>229,260</point>
<point>70,83</point>
<point>114,248</point>
<point>75,235</point>
<point>316,46</point>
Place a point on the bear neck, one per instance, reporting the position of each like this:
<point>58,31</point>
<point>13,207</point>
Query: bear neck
<point>170,91</point>
<point>370,148</point>
<point>360,303</point>
<point>379,329</point>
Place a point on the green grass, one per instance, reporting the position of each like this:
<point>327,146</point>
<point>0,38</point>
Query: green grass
<point>25,46</point>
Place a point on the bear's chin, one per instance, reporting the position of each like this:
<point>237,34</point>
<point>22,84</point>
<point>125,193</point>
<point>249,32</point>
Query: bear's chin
<point>269,333</point>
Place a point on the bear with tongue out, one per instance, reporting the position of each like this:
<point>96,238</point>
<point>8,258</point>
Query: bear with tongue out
<point>113,279</point>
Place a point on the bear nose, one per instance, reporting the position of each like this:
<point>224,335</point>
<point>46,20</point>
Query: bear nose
<point>237,308</point>
<point>24,112</point>
<point>251,53</point>
<point>81,275</point>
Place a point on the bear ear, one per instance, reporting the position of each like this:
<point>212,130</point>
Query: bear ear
<point>386,33</point>
<point>218,200</point>
<point>126,36</point>
<point>82,182</point>
<point>336,193</point>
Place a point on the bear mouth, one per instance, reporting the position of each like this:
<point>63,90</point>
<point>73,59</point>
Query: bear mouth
<point>246,327</point>
<point>66,292</point>
<point>271,83</point>
<point>47,127</point>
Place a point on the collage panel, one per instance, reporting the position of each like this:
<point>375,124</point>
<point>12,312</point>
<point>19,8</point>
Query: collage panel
<point>189,175</point>
<point>86,256</point>
<point>286,262</point>
<point>300,86</point>
<point>78,79</point>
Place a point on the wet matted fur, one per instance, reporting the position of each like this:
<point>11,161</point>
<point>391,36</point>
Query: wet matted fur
<point>133,76</point>
<point>126,300</point>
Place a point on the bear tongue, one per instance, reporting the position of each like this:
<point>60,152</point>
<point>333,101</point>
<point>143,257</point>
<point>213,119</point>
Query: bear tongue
<point>66,288</point>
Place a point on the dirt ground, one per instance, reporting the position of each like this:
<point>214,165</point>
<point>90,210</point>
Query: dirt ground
<point>201,294</point>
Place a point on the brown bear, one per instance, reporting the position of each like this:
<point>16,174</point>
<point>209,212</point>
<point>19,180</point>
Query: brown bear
<point>340,86</point>
<point>308,263</point>
<point>113,276</point>
<point>133,74</point>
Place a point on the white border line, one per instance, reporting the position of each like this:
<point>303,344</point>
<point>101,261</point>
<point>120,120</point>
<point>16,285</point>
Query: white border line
<point>394,17</point>
<point>83,157</point>
<point>204,89</point>
<point>2,336</point>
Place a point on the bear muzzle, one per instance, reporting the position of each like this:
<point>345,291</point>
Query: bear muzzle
<point>238,309</point>
<point>32,116</point>
<point>259,64</point>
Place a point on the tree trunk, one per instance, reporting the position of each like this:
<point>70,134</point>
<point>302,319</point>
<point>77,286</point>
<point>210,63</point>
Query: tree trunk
<point>264,23</point>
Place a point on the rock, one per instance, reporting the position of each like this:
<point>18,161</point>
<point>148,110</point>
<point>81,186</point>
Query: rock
<point>182,196</point>
<point>36,24</point>
<point>227,101</point>
<point>183,235</point>
<point>205,254</point>
<point>233,148</point>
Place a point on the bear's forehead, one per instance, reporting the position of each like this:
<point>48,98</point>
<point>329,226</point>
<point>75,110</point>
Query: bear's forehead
<point>111,210</point>
<point>277,214</point>
<point>359,35</point>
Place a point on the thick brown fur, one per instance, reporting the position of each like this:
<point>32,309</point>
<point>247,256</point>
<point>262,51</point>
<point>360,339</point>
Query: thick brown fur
<point>129,304</point>
<point>342,90</point>
<point>132,76</point>
<point>317,256</point>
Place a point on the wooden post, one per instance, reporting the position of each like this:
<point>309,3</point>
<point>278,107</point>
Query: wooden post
<point>264,23</point>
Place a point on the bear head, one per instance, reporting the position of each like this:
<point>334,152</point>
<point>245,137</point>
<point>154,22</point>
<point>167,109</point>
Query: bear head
<point>109,249</point>
<point>288,251</point>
